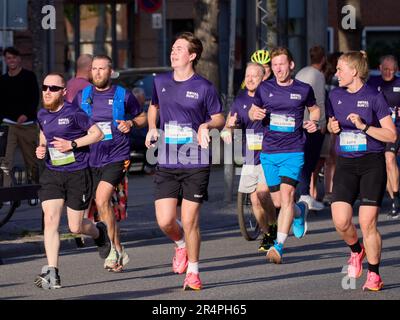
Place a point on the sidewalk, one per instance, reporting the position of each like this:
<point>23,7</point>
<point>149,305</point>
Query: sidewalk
<point>21,235</point>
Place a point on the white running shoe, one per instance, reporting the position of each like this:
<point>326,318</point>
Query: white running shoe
<point>312,203</point>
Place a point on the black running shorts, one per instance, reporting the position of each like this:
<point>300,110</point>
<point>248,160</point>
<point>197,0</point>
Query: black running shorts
<point>393,147</point>
<point>111,173</point>
<point>189,184</point>
<point>363,177</point>
<point>74,187</point>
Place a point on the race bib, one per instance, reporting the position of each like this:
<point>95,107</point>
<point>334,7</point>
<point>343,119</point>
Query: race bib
<point>254,141</point>
<point>178,133</point>
<point>282,123</point>
<point>353,141</point>
<point>105,127</point>
<point>59,158</point>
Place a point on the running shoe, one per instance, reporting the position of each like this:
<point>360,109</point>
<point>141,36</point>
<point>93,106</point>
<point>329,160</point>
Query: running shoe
<point>374,282</point>
<point>268,239</point>
<point>355,268</point>
<point>111,261</point>
<point>103,241</point>
<point>48,279</point>
<point>312,203</point>
<point>122,261</point>
<point>299,225</point>
<point>395,210</point>
<point>180,260</point>
<point>192,282</point>
<point>275,253</point>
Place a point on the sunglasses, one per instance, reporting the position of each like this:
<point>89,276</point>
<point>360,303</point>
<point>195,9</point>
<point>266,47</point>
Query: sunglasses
<point>51,88</point>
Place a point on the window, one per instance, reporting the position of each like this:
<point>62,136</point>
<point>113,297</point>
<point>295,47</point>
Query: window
<point>97,29</point>
<point>379,41</point>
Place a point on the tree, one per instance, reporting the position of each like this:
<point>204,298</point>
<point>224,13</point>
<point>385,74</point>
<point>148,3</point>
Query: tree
<point>206,29</point>
<point>272,24</point>
<point>349,24</point>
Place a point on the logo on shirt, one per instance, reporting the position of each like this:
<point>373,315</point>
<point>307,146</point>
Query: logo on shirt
<point>339,102</point>
<point>244,106</point>
<point>63,121</point>
<point>192,95</point>
<point>396,89</point>
<point>163,90</point>
<point>379,89</point>
<point>362,104</point>
<point>270,95</point>
<point>295,96</point>
<point>110,102</point>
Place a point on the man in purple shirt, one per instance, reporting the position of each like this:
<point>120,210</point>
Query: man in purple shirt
<point>280,104</point>
<point>82,78</point>
<point>389,84</point>
<point>252,178</point>
<point>189,107</point>
<point>108,157</point>
<point>65,133</point>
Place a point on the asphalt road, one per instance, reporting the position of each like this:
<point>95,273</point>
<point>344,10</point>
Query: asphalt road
<point>231,269</point>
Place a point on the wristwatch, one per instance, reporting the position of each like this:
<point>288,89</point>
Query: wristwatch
<point>74,145</point>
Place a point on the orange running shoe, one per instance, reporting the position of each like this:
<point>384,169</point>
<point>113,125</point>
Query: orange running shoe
<point>374,282</point>
<point>355,267</point>
<point>180,260</point>
<point>192,282</point>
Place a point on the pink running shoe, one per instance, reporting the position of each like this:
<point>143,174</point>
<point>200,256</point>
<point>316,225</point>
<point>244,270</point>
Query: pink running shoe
<point>373,283</point>
<point>192,282</point>
<point>355,267</point>
<point>180,260</point>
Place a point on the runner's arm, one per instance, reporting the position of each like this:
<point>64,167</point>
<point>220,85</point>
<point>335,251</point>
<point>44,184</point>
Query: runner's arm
<point>139,121</point>
<point>387,133</point>
<point>93,135</point>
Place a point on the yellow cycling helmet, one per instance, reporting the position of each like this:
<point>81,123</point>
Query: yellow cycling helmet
<point>260,57</point>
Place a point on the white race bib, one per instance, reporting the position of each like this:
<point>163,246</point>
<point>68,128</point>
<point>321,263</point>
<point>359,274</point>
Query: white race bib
<point>254,141</point>
<point>59,158</point>
<point>282,123</point>
<point>178,133</point>
<point>105,127</point>
<point>353,141</point>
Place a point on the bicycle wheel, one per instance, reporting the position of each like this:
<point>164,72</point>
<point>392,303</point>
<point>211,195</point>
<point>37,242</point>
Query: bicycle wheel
<point>249,227</point>
<point>7,210</point>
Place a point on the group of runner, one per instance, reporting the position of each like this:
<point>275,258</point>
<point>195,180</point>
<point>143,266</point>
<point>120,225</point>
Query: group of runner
<point>184,107</point>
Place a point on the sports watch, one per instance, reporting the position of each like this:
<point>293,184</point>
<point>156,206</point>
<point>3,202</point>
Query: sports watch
<point>74,145</point>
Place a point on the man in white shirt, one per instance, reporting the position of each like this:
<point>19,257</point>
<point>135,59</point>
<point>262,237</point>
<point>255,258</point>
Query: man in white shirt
<point>313,76</point>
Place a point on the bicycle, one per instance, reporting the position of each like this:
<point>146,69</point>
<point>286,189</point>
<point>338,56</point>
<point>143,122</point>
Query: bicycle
<point>248,224</point>
<point>11,197</point>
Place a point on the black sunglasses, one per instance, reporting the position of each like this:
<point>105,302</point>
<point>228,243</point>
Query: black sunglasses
<point>51,88</point>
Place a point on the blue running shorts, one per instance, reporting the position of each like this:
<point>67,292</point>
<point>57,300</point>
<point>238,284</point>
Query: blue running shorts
<point>282,168</point>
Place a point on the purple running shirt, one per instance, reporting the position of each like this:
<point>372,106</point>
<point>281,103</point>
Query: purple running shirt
<point>69,123</point>
<point>183,107</point>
